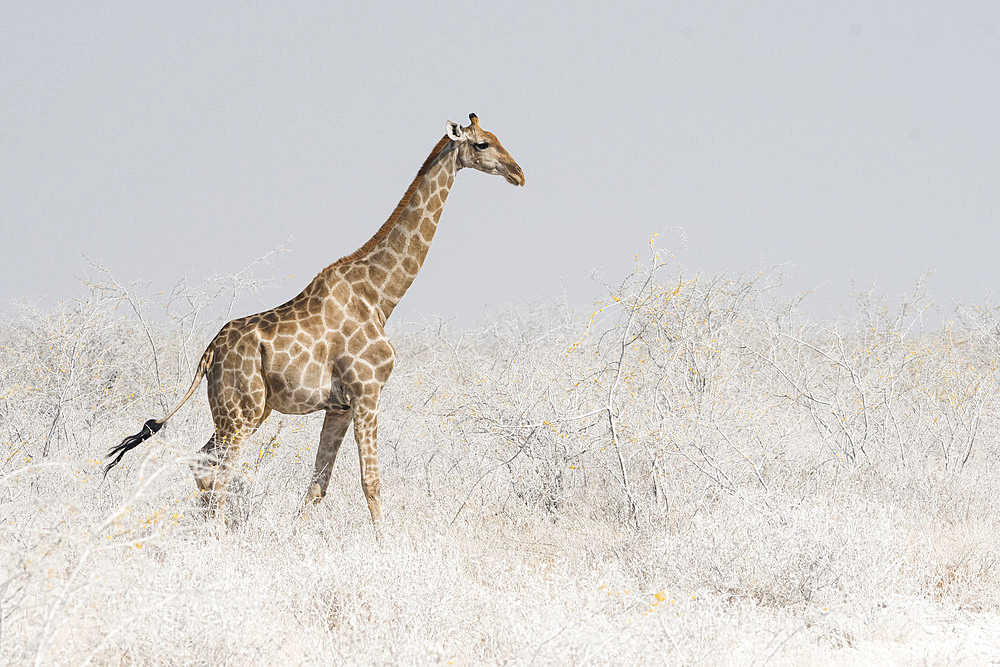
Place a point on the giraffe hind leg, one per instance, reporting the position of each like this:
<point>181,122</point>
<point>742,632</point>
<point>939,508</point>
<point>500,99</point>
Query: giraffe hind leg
<point>237,395</point>
<point>214,469</point>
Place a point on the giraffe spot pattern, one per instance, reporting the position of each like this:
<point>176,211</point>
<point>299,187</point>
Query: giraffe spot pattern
<point>326,348</point>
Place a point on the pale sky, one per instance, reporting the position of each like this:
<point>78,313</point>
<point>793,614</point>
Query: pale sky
<point>851,139</point>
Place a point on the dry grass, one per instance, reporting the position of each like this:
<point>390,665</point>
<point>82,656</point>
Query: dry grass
<point>697,475</point>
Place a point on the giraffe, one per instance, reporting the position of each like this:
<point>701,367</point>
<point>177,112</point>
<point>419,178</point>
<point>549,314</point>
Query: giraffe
<point>326,349</point>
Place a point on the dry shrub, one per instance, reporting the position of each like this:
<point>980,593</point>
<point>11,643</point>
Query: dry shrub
<point>696,472</point>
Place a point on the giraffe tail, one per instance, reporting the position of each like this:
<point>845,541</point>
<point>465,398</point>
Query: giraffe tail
<point>154,425</point>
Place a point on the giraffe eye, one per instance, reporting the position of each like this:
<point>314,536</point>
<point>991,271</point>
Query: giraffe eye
<point>483,146</point>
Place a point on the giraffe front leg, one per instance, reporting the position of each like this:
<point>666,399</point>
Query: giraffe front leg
<point>334,428</point>
<point>368,375</point>
<point>366,434</point>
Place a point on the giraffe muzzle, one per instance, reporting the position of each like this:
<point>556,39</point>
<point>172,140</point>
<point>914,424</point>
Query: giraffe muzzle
<point>513,174</point>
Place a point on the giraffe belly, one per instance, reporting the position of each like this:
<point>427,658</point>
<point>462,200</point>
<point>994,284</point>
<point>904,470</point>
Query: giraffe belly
<point>295,391</point>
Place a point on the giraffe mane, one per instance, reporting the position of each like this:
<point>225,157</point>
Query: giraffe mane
<point>383,231</point>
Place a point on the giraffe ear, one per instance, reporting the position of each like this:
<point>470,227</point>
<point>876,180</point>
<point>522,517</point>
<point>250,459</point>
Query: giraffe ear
<point>454,131</point>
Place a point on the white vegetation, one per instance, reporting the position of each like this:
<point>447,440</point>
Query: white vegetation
<point>696,474</point>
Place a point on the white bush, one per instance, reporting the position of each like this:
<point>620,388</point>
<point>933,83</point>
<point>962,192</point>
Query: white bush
<point>697,472</point>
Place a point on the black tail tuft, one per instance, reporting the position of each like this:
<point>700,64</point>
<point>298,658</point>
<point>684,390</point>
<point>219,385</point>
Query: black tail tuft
<point>148,429</point>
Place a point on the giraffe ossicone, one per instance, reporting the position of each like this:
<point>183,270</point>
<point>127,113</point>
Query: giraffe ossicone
<point>326,348</point>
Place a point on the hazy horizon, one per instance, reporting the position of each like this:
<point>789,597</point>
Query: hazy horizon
<point>853,142</point>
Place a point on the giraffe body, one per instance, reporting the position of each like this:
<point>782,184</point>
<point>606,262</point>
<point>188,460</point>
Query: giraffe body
<point>326,348</point>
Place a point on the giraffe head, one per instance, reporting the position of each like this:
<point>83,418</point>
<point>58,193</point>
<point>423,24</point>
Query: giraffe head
<point>481,150</point>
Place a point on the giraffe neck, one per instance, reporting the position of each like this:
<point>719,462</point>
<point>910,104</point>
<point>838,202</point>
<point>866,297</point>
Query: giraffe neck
<point>385,267</point>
